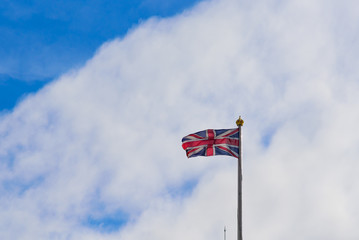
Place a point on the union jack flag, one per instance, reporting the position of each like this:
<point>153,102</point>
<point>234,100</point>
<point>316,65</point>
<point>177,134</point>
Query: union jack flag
<point>212,142</point>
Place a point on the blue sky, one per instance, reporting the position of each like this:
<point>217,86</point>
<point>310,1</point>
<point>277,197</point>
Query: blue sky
<point>94,152</point>
<point>42,39</point>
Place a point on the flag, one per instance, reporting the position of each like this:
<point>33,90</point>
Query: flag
<point>212,142</point>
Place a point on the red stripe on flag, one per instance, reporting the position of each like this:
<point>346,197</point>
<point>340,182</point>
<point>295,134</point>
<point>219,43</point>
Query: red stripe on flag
<point>209,142</point>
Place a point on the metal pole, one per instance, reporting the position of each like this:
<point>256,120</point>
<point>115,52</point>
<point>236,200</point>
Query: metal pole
<point>225,232</point>
<point>239,123</point>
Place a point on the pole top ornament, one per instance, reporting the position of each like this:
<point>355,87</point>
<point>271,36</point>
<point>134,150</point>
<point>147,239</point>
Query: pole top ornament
<point>240,121</point>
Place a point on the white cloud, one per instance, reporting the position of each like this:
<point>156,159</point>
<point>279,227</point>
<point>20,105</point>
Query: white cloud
<point>106,137</point>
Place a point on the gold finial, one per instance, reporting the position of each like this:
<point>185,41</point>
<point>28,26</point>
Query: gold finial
<point>240,121</point>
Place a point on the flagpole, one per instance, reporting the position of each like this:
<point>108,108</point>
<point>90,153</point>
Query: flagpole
<point>239,123</point>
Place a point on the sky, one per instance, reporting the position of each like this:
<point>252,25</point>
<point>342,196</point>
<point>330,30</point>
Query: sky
<point>40,40</point>
<point>92,150</point>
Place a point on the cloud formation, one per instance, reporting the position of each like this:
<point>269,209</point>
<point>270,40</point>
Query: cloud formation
<point>101,145</point>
